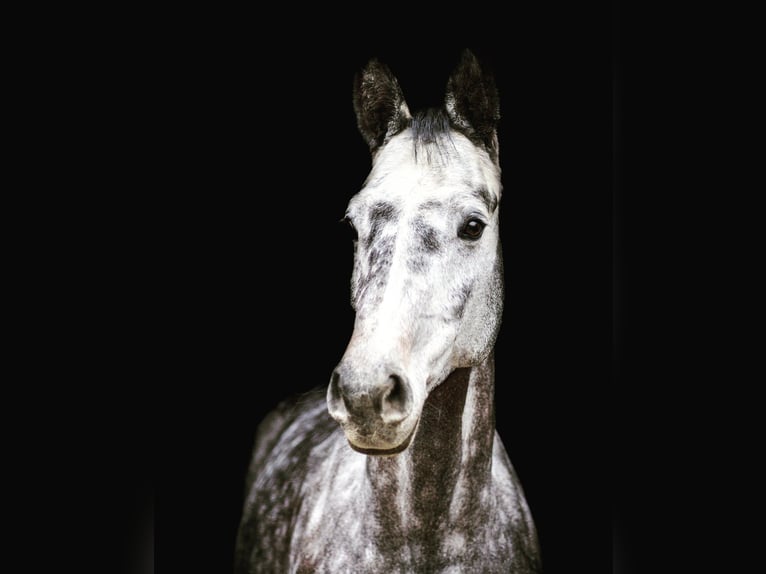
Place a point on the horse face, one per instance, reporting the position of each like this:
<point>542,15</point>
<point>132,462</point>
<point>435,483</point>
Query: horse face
<point>427,278</point>
<point>426,285</point>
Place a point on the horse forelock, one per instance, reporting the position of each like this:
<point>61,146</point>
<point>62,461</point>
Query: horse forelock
<point>438,159</point>
<point>432,133</point>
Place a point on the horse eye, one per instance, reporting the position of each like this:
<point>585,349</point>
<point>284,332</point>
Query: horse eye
<point>350,224</point>
<point>472,229</point>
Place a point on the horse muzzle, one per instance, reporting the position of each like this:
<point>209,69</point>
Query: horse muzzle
<point>376,412</point>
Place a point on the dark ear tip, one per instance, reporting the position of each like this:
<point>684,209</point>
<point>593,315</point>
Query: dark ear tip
<point>469,69</point>
<point>472,100</point>
<point>375,73</point>
<point>469,61</point>
<point>375,67</point>
<point>467,55</point>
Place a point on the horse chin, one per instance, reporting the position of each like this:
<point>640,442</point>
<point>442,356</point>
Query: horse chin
<point>373,451</point>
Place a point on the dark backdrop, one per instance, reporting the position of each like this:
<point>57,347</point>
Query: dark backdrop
<point>258,154</point>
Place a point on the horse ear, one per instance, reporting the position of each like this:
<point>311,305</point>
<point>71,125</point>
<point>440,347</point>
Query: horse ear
<point>381,111</point>
<point>472,102</point>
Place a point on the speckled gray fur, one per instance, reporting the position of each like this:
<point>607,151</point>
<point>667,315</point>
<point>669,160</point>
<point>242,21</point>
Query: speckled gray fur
<point>415,387</point>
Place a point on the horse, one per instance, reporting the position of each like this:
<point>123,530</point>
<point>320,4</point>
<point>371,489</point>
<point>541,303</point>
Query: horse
<point>396,464</point>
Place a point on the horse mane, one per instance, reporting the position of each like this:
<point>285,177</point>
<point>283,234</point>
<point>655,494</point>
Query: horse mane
<point>431,129</point>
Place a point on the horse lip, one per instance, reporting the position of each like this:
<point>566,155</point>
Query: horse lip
<point>386,451</point>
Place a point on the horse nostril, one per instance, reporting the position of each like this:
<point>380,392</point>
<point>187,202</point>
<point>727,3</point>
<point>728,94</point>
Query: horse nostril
<point>394,402</point>
<point>396,394</point>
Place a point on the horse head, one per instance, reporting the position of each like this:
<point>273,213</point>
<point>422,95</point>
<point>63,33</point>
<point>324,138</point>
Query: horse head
<point>427,282</point>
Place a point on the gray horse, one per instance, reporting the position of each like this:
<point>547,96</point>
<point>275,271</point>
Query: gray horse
<point>396,466</point>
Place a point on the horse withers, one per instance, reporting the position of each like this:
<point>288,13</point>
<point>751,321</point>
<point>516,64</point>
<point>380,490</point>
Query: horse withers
<point>396,465</point>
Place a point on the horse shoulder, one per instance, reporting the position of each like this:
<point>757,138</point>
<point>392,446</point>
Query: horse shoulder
<point>331,533</point>
<point>285,448</point>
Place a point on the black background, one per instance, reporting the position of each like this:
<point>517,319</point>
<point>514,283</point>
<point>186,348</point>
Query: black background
<point>197,164</point>
<point>257,154</point>
<point>210,277</point>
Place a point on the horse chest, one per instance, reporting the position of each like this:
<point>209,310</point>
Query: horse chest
<point>456,551</point>
<point>352,536</point>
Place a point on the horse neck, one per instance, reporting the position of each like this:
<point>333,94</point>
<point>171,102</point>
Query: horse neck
<point>444,472</point>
